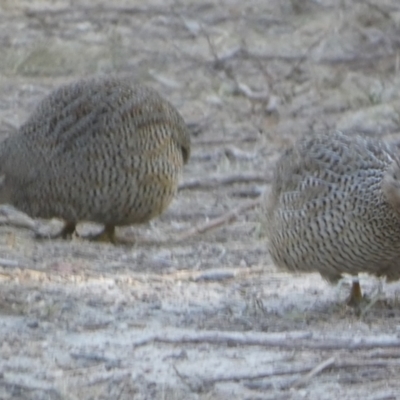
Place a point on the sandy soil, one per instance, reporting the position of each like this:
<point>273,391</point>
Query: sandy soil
<point>183,315</point>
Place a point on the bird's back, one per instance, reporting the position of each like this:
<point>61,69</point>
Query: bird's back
<point>327,212</point>
<point>104,150</point>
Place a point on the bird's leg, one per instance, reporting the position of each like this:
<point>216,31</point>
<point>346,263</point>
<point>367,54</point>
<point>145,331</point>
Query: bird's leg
<point>67,231</point>
<point>362,303</point>
<point>356,295</point>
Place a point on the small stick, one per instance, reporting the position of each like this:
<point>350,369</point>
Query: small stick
<point>291,370</point>
<point>5,262</point>
<point>217,181</point>
<point>222,337</point>
<point>315,371</point>
<point>216,222</point>
<point>222,141</point>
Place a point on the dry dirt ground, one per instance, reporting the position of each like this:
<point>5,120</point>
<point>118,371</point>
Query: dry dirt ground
<point>186,311</point>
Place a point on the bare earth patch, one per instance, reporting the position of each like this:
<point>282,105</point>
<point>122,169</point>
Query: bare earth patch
<point>194,308</point>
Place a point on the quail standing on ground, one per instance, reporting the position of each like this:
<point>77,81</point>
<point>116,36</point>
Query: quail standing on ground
<point>101,150</point>
<point>334,207</point>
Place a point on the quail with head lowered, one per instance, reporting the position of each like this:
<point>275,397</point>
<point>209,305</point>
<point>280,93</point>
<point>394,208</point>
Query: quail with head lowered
<point>334,208</point>
<point>104,150</point>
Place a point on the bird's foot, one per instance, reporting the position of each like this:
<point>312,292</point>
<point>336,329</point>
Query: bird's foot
<point>106,236</point>
<point>69,231</point>
<point>65,233</point>
<point>362,303</point>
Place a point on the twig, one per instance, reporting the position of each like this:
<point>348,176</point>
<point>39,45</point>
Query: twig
<point>11,216</point>
<point>306,54</point>
<point>91,11</point>
<point>384,353</point>
<point>27,384</point>
<point>248,193</point>
<point>299,58</point>
<point>96,358</point>
<point>217,62</point>
<point>214,276</point>
<point>315,371</point>
<point>4,262</point>
<point>196,128</point>
<point>234,153</point>
<point>299,369</point>
<point>222,141</point>
<point>230,54</point>
<point>221,63</point>
<point>113,376</point>
<point>168,82</point>
<point>224,180</point>
<point>245,90</point>
<point>195,384</point>
<point>217,222</point>
<point>222,337</point>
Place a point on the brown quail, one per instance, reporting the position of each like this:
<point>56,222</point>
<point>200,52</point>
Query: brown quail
<point>334,207</point>
<point>101,150</point>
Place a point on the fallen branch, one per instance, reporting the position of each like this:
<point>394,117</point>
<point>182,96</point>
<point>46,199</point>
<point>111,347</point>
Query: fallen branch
<point>224,180</point>
<point>222,337</point>
<point>217,222</point>
<point>291,383</point>
<point>288,340</point>
<point>295,58</point>
<point>286,369</point>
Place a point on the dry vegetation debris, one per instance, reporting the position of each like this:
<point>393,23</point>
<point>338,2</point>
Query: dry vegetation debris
<point>190,311</point>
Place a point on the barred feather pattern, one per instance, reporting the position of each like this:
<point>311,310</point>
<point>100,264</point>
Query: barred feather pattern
<point>104,150</point>
<point>334,207</point>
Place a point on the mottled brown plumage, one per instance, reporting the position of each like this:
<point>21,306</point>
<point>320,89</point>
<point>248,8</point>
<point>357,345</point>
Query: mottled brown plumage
<point>334,207</point>
<point>101,150</point>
